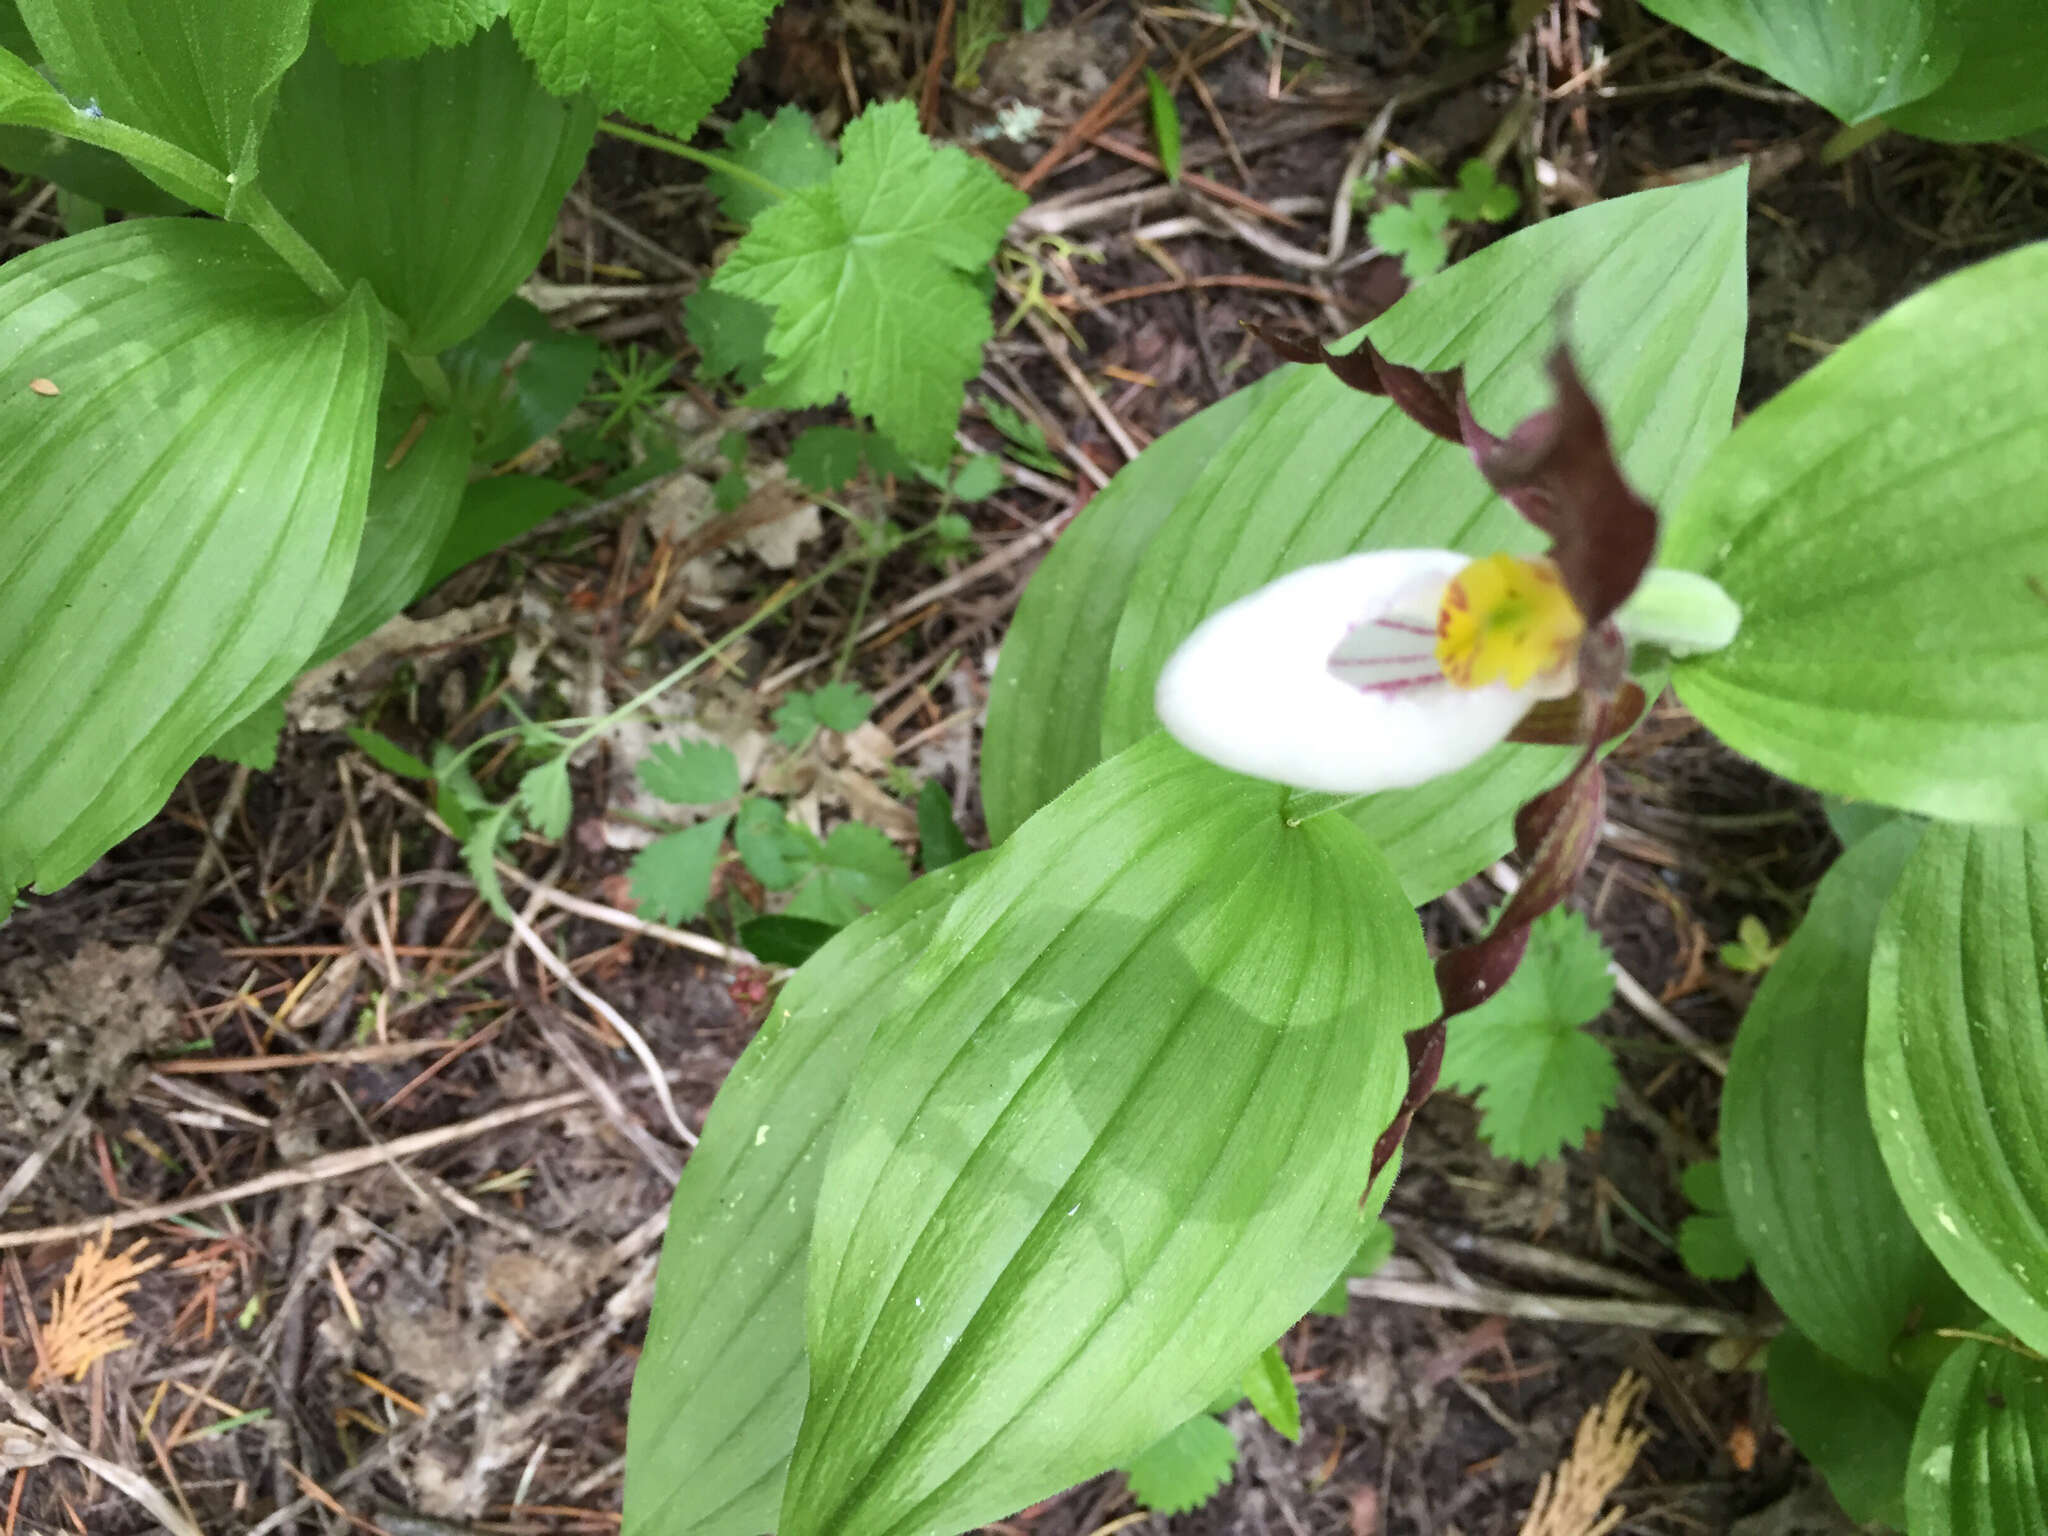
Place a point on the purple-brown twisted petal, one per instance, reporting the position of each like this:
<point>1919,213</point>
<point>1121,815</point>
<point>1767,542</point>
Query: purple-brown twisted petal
<point>1427,399</point>
<point>1559,471</point>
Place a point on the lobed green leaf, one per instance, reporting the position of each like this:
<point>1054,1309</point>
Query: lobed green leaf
<point>1979,1463</point>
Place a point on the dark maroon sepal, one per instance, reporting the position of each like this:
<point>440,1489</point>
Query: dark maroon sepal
<point>1427,399</point>
<point>1580,718</point>
<point>1425,1062</point>
<point>1558,470</point>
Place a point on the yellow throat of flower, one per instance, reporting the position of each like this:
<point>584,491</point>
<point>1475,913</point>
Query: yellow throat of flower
<point>1506,619</point>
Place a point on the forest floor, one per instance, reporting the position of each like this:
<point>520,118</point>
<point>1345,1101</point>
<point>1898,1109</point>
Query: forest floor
<point>404,1194</point>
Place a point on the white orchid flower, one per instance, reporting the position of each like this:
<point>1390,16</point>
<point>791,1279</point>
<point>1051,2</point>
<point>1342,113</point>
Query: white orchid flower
<point>1391,668</point>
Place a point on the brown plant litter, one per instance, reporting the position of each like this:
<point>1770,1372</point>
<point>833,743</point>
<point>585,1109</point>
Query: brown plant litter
<point>89,1313</point>
<point>1568,1500</point>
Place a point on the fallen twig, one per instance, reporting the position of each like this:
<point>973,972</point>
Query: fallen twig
<point>333,1165</point>
<point>34,1439</point>
<point>1600,1311</point>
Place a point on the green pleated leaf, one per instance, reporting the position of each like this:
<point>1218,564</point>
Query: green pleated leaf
<point>412,506</point>
<point>177,524</point>
<point>720,1385</point>
<point>1320,471</point>
<point>1979,1463</point>
<point>1045,704</point>
<point>1958,1061</point>
<point>1108,1143</point>
<point>1857,66</point>
<point>30,102</point>
<point>1995,90</point>
<point>365,31</point>
<point>1857,1429</point>
<point>199,74</point>
<point>1812,1202</point>
<point>435,179</point>
<point>1880,524</point>
<point>83,169</point>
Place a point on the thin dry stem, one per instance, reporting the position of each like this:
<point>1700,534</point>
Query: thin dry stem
<point>1604,1449</point>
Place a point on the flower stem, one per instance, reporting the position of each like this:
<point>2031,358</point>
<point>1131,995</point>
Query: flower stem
<point>710,162</point>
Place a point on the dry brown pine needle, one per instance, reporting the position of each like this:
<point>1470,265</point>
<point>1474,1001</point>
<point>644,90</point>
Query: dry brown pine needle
<point>89,1314</point>
<point>1568,1501</point>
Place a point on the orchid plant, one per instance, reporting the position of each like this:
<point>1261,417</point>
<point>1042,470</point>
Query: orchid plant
<point>1027,1166</point>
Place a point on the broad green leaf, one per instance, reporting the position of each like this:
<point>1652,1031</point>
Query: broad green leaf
<point>365,31</point>
<point>1812,1202</point>
<point>27,100</point>
<point>14,31</point>
<point>1708,1244</point>
<point>858,869</point>
<point>693,773</point>
<point>672,875</point>
<point>199,74</point>
<point>731,337</point>
<point>1892,649</point>
<point>1858,66</point>
<point>435,179</point>
<point>518,378</point>
<point>1541,1081</point>
<point>1270,1386</point>
<point>720,1385</point>
<point>1979,1463</point>
<point>871,278</point>
<point>1376,1248</point>
<point>1044,725</point>
<point>1857,1429</point>
<point>177,524</point>
<point>940,841</point>
<point>1108,1142</point>
<point>1958,1061</point>
<point>491,514</point>
<point>412,506</point>
<point>824,458</point>
<point>1183,1470</point>
<point>1321,471</point>
<point>841,706</point>
<point>666,62</point>
<point>1995,89</point>
<point>85,169</point>
<point>979,478</point>
<point>784,150</point>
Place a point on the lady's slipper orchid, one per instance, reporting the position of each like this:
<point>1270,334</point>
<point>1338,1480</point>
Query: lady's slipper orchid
<point>1391,668</point>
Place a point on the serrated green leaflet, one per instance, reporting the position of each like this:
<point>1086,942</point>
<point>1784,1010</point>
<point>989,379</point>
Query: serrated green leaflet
<point>1979,1463</point>
<point>436,179</point>
<point>179,521</point>
<point>1858,66</point>
<point>199,74</point>
<point>1857,1429</point>
<point>666,62</point>
<point>1892,649</point>
<point>1835,1247</point>
<point>784,150</point>
<point>869,274</point>
<point>1320,471</point>
<point>364,31</point>
<point>1183,1470</point>
<point>411,508</point>
<point>1030,1261</point>
<point>1541,1081</point>
<point>1958,1061</point>
<point>1995,89</point>
<point>1045,705</point>
<point>720,1384</point>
